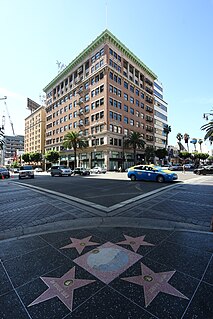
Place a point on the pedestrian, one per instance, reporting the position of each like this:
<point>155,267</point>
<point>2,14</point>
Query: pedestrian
<point>184,168</point>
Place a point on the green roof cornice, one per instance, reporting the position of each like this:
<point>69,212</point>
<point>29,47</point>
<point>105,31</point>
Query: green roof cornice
<point>103,37</point>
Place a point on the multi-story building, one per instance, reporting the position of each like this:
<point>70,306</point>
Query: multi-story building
<point>35,128</point>
<point>13,148</point>
<point>105,93</point>
<point>160,115</point>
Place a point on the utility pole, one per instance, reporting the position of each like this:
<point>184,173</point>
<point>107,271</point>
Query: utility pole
<point>2,141</point>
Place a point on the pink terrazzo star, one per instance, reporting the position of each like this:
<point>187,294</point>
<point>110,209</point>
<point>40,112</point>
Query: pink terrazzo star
<point>80,244</point>
<point>63,288</point>
<point>153,283</point>
<point>135,242</point>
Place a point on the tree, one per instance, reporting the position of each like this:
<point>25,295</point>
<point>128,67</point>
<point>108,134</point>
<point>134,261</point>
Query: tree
<point>135,141</point>
<point>161,153</point>
<point>167,130</point>
<point>179,138</point>
<point>194,141</point>
<point>36,157</point>
<point>209,130</point>
<point>52,156</point>
<point>26,157</point>
<point>74,140</point>
<point>185,155</point>
<point>149,154</point>
<point>200,141</point>
<point>186,140</point>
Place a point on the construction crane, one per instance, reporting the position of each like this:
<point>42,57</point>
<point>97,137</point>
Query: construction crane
<point>8,114</point>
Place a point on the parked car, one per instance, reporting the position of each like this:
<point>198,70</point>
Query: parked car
<point>81,171</point>
<point>4,173</point>
<point>205,170</point>
<point>151,173</point>
<point>176,167</point>
<point>98,170</point>
<point>60,170</point>
<point>38,169</point>
<point>26,171</point>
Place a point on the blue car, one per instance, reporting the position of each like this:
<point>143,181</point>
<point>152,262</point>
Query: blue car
<point>151,173</point>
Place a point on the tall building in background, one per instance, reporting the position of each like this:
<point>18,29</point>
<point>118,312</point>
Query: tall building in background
<point>13,148</point>
<point>160,115</point>
<point>35,128</point>
<point>105,93</point>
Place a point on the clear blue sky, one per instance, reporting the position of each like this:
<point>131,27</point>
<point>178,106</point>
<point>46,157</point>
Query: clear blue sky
<point>174,38</point>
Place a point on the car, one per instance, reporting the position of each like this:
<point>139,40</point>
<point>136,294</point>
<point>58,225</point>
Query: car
<point>205,170</point>
<point>81,171</point>
<point>176,167</point>
<point>26,171</point>
<point>4,173</point>
<point>38,169</point>
<point>15,170</point>
<point>60,170</point>
<point>151,173</point>
<point>98,170</point>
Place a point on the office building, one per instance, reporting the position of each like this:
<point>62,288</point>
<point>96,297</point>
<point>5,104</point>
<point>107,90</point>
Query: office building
<point>35,128</point>
<point>105,93</point>
<point>160,116</point>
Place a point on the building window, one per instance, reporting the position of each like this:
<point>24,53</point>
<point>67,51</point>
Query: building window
<point>125,85</point>
<point>125,108</point>
<point>131,110</point>
<point>125,96</point>
<point>131,122</point>
<point>125,119</point>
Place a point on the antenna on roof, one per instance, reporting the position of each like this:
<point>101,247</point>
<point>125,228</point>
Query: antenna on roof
<point>60,65</point>
<point>106,13</point>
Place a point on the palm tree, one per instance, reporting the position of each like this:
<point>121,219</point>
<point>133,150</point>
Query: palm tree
<point>166,130</point>
<point>200,141</point>
<point>209,130</point>
<point>135,140</point>
<point>194,141</point>
<point>73,140</point>
<point>179,138</point>
<point>186,140</point>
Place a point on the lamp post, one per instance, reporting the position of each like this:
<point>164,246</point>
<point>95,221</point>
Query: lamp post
<point>2,141</point>
<point>123,157</point>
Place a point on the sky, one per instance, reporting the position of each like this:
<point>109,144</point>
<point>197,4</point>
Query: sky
<point>174,38</point>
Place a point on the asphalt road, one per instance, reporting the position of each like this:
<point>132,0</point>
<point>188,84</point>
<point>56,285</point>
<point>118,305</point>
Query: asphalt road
<point>103,189</point>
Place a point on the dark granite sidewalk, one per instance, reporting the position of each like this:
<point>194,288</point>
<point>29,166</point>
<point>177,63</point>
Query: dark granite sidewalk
<point>108,273</point>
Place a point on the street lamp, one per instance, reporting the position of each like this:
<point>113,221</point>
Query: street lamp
<point>123,157</point>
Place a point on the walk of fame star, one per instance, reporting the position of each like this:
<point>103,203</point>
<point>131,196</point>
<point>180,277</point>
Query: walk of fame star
<point>153,283</point>
<point>80,244</point>
<point>135,242</point>
<point>62,287</point>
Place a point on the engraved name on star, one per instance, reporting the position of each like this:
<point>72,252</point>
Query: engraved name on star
<point>80,244</point>
<point>153,283</point>
<point>135,242</point>
<point>62,287</point>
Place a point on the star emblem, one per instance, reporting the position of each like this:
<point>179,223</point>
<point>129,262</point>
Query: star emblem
<point>80,244</point>
<point>135,242</point>
<point>153,283</point>
<point>62,287</point>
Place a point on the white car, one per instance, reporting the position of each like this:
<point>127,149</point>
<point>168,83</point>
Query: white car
<point>98,170</point>
<point>60,170</point>
<point>26,172</point>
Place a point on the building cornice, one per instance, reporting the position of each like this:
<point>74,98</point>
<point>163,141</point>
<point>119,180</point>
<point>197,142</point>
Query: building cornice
<point>102,38</point>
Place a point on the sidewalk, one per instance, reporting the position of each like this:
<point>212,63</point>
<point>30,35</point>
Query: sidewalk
<point>109,272</point>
